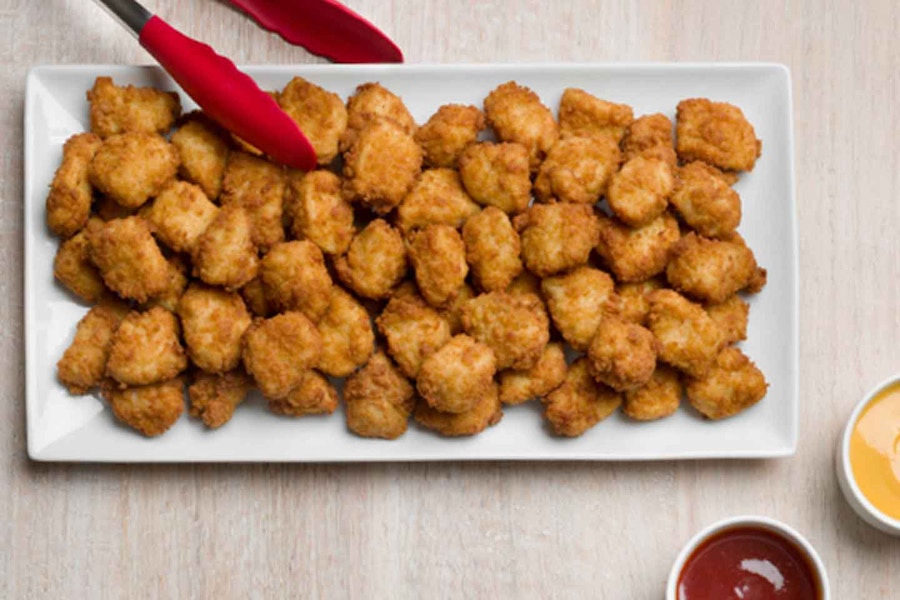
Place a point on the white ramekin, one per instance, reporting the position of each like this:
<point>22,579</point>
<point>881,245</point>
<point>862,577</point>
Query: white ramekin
<point>766,523</point>
<point>865,509</point>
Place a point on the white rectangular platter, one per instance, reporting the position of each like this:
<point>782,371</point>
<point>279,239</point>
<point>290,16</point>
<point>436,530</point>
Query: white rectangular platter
<point>68,428</point>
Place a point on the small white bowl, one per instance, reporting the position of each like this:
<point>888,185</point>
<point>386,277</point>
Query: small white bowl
<point>865,509</point>
<point>777,527</point>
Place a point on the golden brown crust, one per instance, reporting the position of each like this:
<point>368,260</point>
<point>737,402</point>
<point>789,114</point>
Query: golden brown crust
<point>731,316</point>
<point>717,133</point>
<point>577,302</point>
<point>546,375</point>
<point>622,354</point>
<point>70,197</point>
<point>437,198</point>
<point>705,201</point>
<point>379,400</point>
<point>515,327</point>
<point>146,348</point>
<point>203,148</point>
<point>732,385</point>
<point>487,412</point>
<point>577,170</point>
<point>492,249</point>
<point>176,282</point>
<point>580,402</point>
<point>651,136</point>
<point>438,257</point>
<point>133,167</point>
<point>119,109</point>
<point>313,395</point>
<point>557,237</point>
<point>370,103</point>
<point>254,296</point>
<point>516,114</point>
<point>455,378</point>
<point>320,114</point>
<point>258,186</point>
<point>375,262</point>
<point>452,310</point>
<point>73,268</point>
<point>656,399</point>
<point>637,254</point>
<point>83,364</point>
<point>215,396</point>
<point>347,336</point>
<point>179,215</point>
<point>584,115</point>
<point>412,329</point>
<point>710,270</point>
<point>448,132</point>
<point>497,175</point>
<point>689,339</point>
<point>632,304</point>
<point>279,351</point>
<point>150,409</point>
<point>640,191</point>
<point>128,258</point>
<point>318,211</point>
<point>294,277</point>
<point>224,254</point>
<point>214,322</point>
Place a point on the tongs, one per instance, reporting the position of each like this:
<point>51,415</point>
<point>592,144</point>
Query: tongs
<point>232,98</point>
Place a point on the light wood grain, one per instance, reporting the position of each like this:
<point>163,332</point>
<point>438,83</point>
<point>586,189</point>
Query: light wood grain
<point>488,530</point>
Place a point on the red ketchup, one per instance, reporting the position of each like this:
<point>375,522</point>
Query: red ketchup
<point>747,563</point>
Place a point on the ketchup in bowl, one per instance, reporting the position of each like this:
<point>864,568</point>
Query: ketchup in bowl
<point>747,563</point>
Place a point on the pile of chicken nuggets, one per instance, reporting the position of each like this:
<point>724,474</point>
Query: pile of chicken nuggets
<point>588,260</point>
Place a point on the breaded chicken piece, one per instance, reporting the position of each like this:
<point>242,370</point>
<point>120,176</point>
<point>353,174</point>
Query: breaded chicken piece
<point>455,378</point>
<point>83,364</point>
<point>732,385</point>
<point>710,270</point>
<point>119,109</point>
<point>731,316</point>
<point>580,402</point>
<point>516,114</point>
<point>557,237</point>
<point>176,282</point>
<point>73,268</point>
<point>577,170</point>
<point>497,175</point>
<point>637,254</point>
<point>278,352</point>
<point>633,304</point>
<point>347,336</point>
<point>640,191</point>
<point>179,215</point>
<point>150,409</point>
<point>656,399</point>
<point>215,396</point>
<point>760,277</point>
<point>578,302</point>
<point>546,375</point>
<point>492,249</point>
<point>203,148</point>
<point>622,354</point>
<point>295,277</point>
<point>318,211</point>
<point>525,282</point>
<point>378,399</point>
<point>717,133</point>
<point>437,198</point>
<point>225,255</point>
<point>451,311</point>
<point>381,166</point>
<point>515,327</point>
<point>128,258</point>
<point>254,295</point>
<point>146,348</point>
<point>375,262</point>
<point>370,103</point>
<point>448,132</point>
<point>651,136</point>
<point>258,186</point>
<point>584,115</point>
<point>131,168</point>
<point>214,322</point>
<point>438,257</point>
<point>70,197</point>
<point>689,339</point>
<point>486,413</point>
<point>320,114</point>
<point>412,329</point>
<point>313,395</point>
<point>705,201</point>
<point>107,209</point>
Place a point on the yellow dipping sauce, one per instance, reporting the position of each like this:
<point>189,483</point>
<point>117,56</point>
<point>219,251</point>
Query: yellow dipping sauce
<point>875,451</point>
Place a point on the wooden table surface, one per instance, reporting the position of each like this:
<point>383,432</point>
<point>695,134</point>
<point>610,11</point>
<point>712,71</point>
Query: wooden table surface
<point>493,530</point>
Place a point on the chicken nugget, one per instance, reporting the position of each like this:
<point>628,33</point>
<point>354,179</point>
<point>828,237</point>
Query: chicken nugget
<point>580,402</point>
<point>107,209</point>
<point>732,385</point>
<point>705,201</point>
<point>258,186</point>
<point>448,132</point>
<point>146,348</point>
<point>320,114</point>
<point>215,396</point>
<point>515,327</point>
<point>437,198</point>
<point>717,133</point>
<point>710,270</point>
<point>497,175</point>
<point>150,409</point>
<point>557,237</point>
<point>492,249</point>
<point>224,254</point>
<point>658,398</point>
<point>731,317</point>
<point>120,109</point>
<point>203,148</point>
<point>128,258</point>
<point>637,254</point>
<point>633,304</point>
<point>279,351</point>
<point>214,322</point>
<point>313,395</point>
<point>83,364</point>
<point>451,311</point>
<point>584,115</point>
<point>412,329</point>
<point>689,339</point>
<point>318,212</point>
<point>379,400</point>
<point>546,375</point>
<point>622,354</point>
<point>640,191</point>
<point>486,413</point>
<point>371,103</point>
<point>525,282</point>
<point>438,258</point>
<point>651,136</point>
<point>179,215</point>
<point>73,268</point>
<point>516,114</point>
<point>347,336</point>
<point>375,262</point>
<point>577,170</point>
<point>131,168</point>
<point>577,302</point>
<point>455,378</point>
<point>294,277</point>
<point>254,295</point>
<point>70,197</point>
<point>176,282</point>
